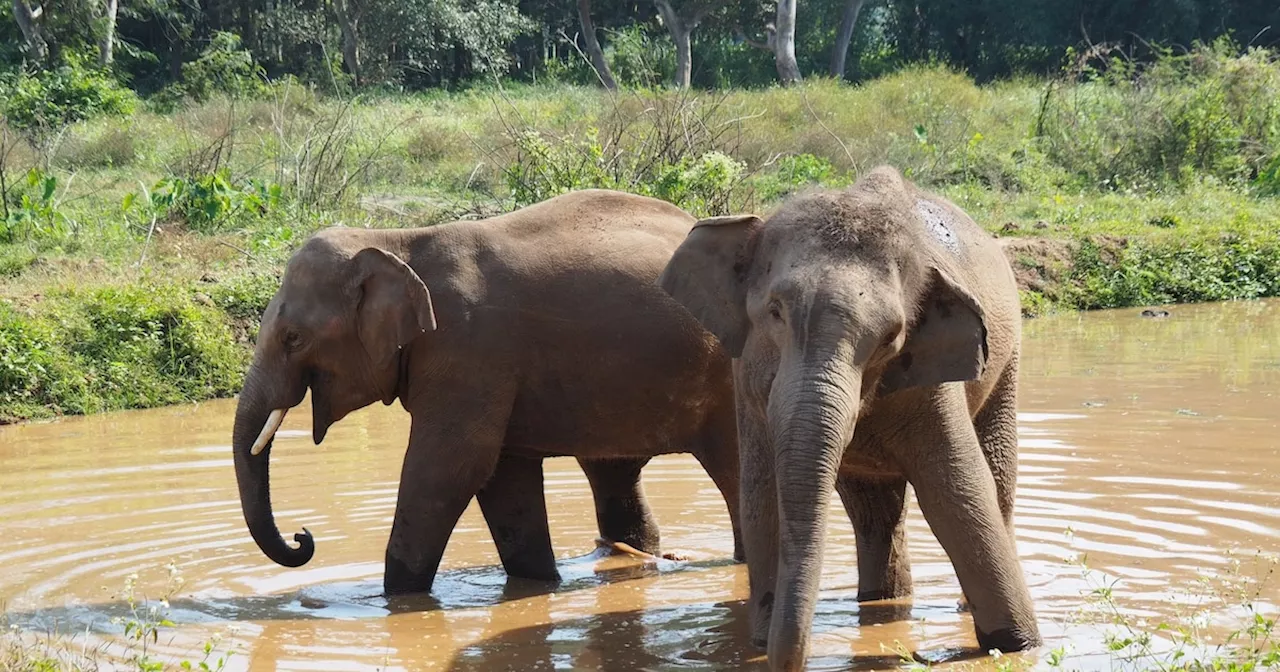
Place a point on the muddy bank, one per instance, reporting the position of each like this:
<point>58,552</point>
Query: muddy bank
<point>146,343</point>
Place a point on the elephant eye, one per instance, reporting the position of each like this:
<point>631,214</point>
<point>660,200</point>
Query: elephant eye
<point>292,341</point>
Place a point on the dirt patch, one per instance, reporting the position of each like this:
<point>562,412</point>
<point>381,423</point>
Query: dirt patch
<point>1038,262</point>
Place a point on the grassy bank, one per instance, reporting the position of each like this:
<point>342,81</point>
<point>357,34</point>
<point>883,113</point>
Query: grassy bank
<point>137,250</point>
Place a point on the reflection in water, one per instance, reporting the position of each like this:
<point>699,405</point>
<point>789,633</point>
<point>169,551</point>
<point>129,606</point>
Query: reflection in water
<point>1154,441</point>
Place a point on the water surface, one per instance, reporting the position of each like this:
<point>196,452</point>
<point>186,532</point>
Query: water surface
<point>1149,445</point>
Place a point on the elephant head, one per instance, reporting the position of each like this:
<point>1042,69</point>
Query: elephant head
<point>828,305</point>
<point>346,308</point>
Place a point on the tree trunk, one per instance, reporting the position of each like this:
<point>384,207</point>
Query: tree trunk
<point>684,55</point>
<point>680,29</point>
<point>850,20</point>
<point>348,22</point>
<point>27,22</point>
<point>593,46</point>
<point>784,48</point>
<point>106,43</point>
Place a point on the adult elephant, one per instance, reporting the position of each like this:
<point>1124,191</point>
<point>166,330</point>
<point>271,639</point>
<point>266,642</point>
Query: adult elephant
<point>538,333</point>
<point>875,333</point>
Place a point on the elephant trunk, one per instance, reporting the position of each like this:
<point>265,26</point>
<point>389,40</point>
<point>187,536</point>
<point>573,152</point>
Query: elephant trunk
<point>813,426</point>
<point>256,422</point>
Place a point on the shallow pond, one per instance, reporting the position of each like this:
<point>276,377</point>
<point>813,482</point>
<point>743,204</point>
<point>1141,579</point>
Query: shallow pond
<point>1150,445</point>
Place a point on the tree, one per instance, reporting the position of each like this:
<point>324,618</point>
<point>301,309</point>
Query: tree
<point>107,38</point>
<point>784,42</point>
<point>29,24</point>
<point>593,46</point>
<point>348,13</point>
<point>681,24</point>
<point>841,49</point>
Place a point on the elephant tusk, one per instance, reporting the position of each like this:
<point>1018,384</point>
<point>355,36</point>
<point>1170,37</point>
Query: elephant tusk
<point>268,430</point>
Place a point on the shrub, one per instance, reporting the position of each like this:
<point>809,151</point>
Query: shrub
<point>794,172</point>
<point>543,169</point>
<point>638,60</point>
<point>1209,113</point>
<point>208,203</point>
<point>33,212</point>
<point>224,67</point>
<point>114,348</point>
<point>40,105</point>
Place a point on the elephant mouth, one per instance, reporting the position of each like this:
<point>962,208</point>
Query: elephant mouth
<point>322,418</point>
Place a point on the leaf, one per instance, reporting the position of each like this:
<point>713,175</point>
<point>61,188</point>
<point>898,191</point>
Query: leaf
<point>127,203</point>
<point>50,185</point>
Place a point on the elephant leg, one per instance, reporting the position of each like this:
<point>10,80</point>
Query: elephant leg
<point>440,476</point>
<point>957,494</point>
<point>718,455</point>
<point>877,508</point>
<point>758,502</point>
<point>997,428</point>
<point>622,512</point>
<point>515,509</point>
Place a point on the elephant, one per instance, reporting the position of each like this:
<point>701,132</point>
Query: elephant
<point>875,334</point>
<point>541,332</point>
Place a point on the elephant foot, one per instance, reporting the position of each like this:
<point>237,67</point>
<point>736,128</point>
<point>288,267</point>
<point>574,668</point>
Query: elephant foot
<point>1009,640</point>
<point>884,594</point>
<point>533,572</point>
<point>398,579</point>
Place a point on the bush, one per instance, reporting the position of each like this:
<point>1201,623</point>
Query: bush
<point>114,348</point>
<point>794,172</point>
<point>638,60</point>
<point>1212,112</point>
<point>224,67</point>
<point>544,169</point>
<point>1160,271</point>
<point>209,203</point>
<point>40,105</point>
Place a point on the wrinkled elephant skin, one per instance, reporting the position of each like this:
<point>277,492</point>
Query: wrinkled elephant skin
<point>538,333</point>
<point>875,333</point>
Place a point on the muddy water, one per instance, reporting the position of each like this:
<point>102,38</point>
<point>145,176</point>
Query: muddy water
<point>1149,445</point>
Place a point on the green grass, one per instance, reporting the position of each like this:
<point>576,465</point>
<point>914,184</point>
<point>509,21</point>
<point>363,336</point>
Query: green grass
<point>137,256</point>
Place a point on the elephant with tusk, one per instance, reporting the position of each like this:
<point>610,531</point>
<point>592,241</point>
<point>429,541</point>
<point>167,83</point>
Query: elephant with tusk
<point>537,333</point>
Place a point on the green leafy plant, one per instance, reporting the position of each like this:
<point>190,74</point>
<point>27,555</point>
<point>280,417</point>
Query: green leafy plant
<point>41,104</point>
<point>34,213</point>
<point>206,204</point>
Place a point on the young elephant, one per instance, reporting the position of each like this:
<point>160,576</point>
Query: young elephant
<point>539,333</point>
<point>875,333</point>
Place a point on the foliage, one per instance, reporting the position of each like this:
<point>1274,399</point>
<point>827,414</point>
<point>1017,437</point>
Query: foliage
<point>1159,271</point>
<point>794,172</point>
<point>108,348</point>
<point>41,104</point>
<point>638,60</point>
<point>669,149</point>
<point>1207,113</point>
<point>224,67</point>
<point>34,211</point>
<point>208,203</point>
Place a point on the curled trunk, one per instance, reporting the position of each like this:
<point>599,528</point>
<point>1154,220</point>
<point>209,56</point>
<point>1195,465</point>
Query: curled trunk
<point>254,482</point>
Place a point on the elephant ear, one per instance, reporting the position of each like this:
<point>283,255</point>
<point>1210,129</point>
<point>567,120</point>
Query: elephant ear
<point>394,307</point>
<point>946,343</point>
<point>707,275</point>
